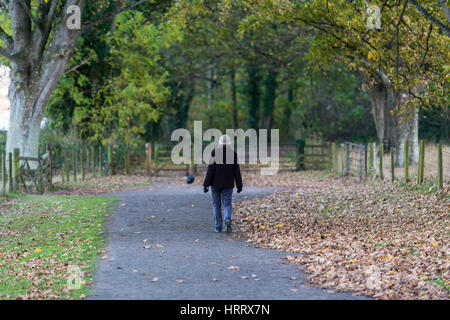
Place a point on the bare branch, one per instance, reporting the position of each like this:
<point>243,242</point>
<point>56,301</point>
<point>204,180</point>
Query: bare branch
<point>75,67</point>
<point>430,18</point>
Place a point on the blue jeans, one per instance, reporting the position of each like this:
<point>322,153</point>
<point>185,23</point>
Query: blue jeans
<point>219,197</point>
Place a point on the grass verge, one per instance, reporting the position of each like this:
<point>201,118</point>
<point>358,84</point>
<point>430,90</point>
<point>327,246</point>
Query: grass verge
<point>42,236</point>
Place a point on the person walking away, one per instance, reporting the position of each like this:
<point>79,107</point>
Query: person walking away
<point>223,174</point>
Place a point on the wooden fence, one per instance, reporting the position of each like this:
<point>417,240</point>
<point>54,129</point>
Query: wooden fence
<point>373,162</point>
<point>82,161</point>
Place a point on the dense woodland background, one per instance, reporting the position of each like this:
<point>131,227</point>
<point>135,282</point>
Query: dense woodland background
<point>310,68</point>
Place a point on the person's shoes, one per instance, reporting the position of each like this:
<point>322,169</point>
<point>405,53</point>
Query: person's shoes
<point>218,229</point>
<point>228,224</point>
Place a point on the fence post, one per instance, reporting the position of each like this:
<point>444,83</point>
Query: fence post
<point>127,160</point>
<point>83,161</point>
<point>3,173</point>
<point>392,164</point>
<point>88,159</point>
<point>63,170</point>
<point>74,161</point>
<point>365,160</point>
<point>149,158</point>
<point>346,158</point>
<point>67,162</point>
<point>370,160</point>
<point>300,144</point>
<point>10,172</point>
<point>406,156</point>
<point>94,170</point>
<point>422,162</point>
<point>361,162</point>
<point>16,168</point>
<point>440,168</point>
<point>419,163</point>
<point>41,175</point>
<point>334,156</point>
<point>110,160</point>
<point>100,159</point>
<point>381,154</point>
<point>50,165</point>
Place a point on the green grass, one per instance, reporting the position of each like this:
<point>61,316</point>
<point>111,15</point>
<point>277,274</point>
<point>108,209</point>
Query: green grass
<point>101,184</point>
<point>40,236</point>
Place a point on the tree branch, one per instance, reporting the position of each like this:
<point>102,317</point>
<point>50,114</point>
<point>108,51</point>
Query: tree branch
<point>446,10</point>
<point>7,39</point>
<point>8,55</point>
<point>397,27</point>
<point>75,67</point>
<point>427,45</point>
<point>111,15</point>
<point>30,14</point>
<point>430,18</point>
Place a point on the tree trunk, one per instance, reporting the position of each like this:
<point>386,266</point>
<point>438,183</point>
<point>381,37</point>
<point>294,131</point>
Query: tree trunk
<point>269,99</point>
<point>287,112</point>
<point>383,102</point>
<point>234,99</point>
<point>34,76</point>
<point>210,90</point>
<point>253,92</point>
<point>395,122</point>
<point>407,120</point>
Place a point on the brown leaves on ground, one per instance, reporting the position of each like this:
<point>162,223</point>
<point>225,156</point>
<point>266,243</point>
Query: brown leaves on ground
<point>99,185</point>
<point>377,240</point>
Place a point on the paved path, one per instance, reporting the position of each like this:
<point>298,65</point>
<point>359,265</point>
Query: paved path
<point>181,222</point>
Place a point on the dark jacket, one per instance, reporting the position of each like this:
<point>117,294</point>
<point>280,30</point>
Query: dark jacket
<point>223,175</point>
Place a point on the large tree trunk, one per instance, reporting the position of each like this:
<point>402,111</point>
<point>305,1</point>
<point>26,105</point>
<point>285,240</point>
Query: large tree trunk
<point>34,75</point>
<point>395,122</point>
<point>407,124</point>
<point>383,103</point>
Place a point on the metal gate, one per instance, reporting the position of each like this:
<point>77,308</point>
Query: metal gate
<point>355,160</point>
